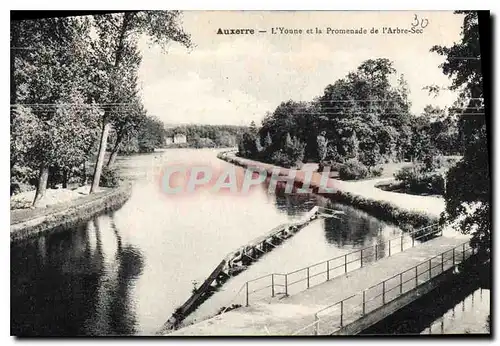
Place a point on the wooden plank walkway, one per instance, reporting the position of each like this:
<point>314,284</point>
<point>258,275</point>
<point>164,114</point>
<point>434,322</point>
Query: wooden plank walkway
<point>288,315</point>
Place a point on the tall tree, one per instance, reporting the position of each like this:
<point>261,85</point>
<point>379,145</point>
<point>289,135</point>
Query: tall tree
<point>468,182</point>
<point>49,69</point>
<point>116,47</point>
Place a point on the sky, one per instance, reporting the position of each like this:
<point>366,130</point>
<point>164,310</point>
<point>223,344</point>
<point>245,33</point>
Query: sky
<point>236,79</point>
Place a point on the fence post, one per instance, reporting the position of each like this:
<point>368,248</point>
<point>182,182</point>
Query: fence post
<point>307,277</point>
<point>247,293</point>
<point>416,276</point>
<point>400,283</point>
<point>361,258</point>
<point>272,285</point>
<point>328,270</point>
<point>376,252</point>
<point>286,285</point>
<point>401,243</point>
<point>442,262</point>
<point>430,268</point>
<point>364,302</point>
<point>389,248</point>
<point>413,240</point>
<point>341,313</point>
<point>453,257</point>
<point>383,292</point>
<point>345,263</point>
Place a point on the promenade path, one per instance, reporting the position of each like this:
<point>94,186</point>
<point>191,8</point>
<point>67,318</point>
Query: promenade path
<point>289,314</point>
<point>431,205</point>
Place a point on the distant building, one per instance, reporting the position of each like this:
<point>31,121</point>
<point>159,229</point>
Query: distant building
<point>177,138</point>
<point>180,138</point>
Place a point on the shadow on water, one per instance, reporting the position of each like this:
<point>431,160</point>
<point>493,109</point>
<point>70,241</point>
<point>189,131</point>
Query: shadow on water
<point>354,228</point>
<point>447,309</point>
<point>62,284</point>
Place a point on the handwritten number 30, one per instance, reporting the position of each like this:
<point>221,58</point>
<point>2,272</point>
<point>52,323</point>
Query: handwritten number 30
<point>423,23</point>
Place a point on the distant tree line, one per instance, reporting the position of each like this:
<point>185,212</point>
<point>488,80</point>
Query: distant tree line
<point>209,136</point>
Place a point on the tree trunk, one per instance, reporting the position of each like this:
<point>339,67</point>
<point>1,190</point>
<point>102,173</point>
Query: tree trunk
<point>65,178</point>
<point>114,152</point>
<point>84,175</point>
<point>105,129</point>
<point>42,184</point>
<point>100,157</point>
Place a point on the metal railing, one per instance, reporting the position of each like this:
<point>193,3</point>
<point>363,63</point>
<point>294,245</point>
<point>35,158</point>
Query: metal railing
<point>284,284</point>
<point>336,316</point>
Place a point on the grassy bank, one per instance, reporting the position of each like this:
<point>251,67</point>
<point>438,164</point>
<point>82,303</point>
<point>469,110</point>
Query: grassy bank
<point>31,222</point>
<point>380,209</point>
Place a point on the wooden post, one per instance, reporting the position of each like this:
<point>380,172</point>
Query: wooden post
<point>400,283</point>
<point>327,270</point>
<point>345,263</point>
<point>413,240</point>
<point>376,252</point>
<point>453,257</point>
<point>442,262</point>
<point>361,258</point>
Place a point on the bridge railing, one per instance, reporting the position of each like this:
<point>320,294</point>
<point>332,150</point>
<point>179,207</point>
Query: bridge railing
<point>338,315</point>
<point>284,284</point>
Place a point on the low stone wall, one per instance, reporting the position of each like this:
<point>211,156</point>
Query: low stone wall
<point>381,209</point>
<point>59,217</point>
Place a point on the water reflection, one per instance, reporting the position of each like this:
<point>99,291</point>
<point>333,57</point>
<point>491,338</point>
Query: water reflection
<point>74,283</point>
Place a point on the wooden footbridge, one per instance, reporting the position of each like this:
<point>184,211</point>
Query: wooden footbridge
<point>238,260</point>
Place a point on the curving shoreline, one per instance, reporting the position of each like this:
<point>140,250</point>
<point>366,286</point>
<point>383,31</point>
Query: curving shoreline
<point>65,215</point>
<point>423,211</point>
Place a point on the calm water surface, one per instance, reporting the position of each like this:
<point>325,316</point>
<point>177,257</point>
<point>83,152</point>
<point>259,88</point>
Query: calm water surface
<point>125,272</point>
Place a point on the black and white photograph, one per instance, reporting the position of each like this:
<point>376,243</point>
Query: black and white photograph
<point>180,173</point>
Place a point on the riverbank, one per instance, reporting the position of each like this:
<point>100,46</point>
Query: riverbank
<point>403,209</point>
<point>70,209</point>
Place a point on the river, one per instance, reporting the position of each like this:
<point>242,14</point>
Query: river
<point>125,272</point>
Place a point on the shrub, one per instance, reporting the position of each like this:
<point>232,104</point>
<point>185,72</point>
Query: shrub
<point>376,171</point>
<point>334,166</point>
<point>353,170</point>
<point>416,180</point>
<point>109,177</point>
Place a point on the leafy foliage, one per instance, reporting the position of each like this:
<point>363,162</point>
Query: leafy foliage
<point>78,74</point>
<point>468,182</point>
<point>416,179</point>
<point>109,178</point>
<point>352,169</point>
